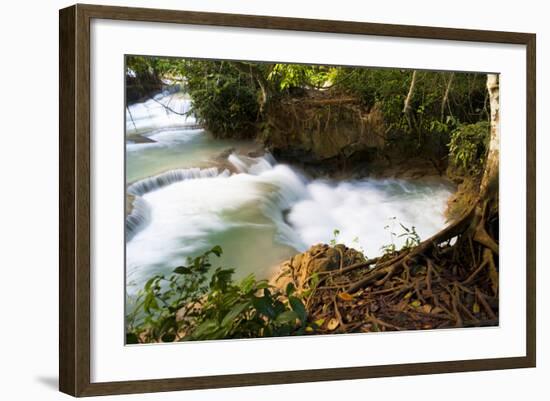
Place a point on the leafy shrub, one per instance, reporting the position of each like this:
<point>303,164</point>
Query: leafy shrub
<point>224,99</point>
<point>286,76</point>
<point>191,304</point>
<point>432,117</point>
<point>468,147</point>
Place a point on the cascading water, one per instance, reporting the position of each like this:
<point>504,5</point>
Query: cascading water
<point>260,215</point>
<point>158,140</point>
<point>189,211</point>
<point>162,111</point>
<point>141,213</point>
<point>172,176</point>
<point>265,213</point>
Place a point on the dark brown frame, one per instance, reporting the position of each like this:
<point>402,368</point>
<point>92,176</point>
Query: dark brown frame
<point>74,199</point>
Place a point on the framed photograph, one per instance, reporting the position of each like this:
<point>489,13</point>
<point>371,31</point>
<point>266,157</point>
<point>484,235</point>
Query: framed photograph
<point>250,200</point>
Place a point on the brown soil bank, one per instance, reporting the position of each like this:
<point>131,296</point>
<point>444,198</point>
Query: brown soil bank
<point>321,131</point>
<point>336,135</point>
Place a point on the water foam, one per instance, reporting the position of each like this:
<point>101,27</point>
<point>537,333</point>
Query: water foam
<point>266,212</point>
<point>141,211</point>
<point>366,212</point>
<point>169,177</point>
<point>162,111</point>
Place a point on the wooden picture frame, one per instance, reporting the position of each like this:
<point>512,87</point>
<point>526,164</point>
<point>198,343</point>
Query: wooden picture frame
<point>74,199</point>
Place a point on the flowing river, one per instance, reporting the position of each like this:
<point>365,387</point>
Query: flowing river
<point>260,212</point>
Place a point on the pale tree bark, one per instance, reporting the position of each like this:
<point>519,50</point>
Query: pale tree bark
<point>445,100</point>
<point>407,104</point>
<point>260,79</point>
<point>489,181</point>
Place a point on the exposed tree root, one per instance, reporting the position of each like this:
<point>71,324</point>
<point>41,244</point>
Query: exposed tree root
<point>448,280</point>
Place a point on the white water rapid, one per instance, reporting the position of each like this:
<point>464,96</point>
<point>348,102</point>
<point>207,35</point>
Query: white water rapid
<point>261,214</point>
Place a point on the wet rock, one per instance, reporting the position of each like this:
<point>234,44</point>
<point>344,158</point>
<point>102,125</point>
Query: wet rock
<point>318,258</point>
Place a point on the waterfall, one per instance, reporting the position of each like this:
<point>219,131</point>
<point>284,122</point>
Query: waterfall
<point>165,110</point>
<point>364,211</point>
<point>251,165</point>
<point>265,213</point>
<point>138,217</point>
<point>152,183</point>
<point>289,187</point>
<point>141,211</point>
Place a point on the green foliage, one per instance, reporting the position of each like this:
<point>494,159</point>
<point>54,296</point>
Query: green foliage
<point>410,235</point>
<point>224,98</point>
<point>191,305</point>
<point>232,99</point>
<point>334,240</point>
<point>386,86</point>
<point>286,76</point>
<point>313,283</point>
<point>142,77</point>
<point>468,147</point>
<point>412,238</point>
<point>427,126</point>
<point>162,67</point>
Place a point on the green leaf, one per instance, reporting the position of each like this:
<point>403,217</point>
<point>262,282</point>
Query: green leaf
<point>168,337</point>
<point>319,322</point>
<point>205,328</point>
<point>168,323</point>
<point>287,317</point>
<point>290,289</point>
<point>149,283</point>
<point>264,306</point>
<point>260,285</point>
<point>233,313</point>
<point>131,338</point>
<point>279,306</point>
<point>217,250</point>
<point>183,270</point>
<point>248,283</point>
<point>314,280</point>
<point>221,278</point>
<point>150,302</point>
<point>404,228</point>
<point>299,308</point>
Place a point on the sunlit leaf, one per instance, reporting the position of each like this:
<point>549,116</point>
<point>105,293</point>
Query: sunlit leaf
<point>333,324</point>
<point>344,296</point>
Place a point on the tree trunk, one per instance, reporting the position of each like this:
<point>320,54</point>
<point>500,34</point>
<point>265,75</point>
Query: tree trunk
<point>254,71</point>
<point>446,95</point>
<point>489,181</point>
<point>407,104</point>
